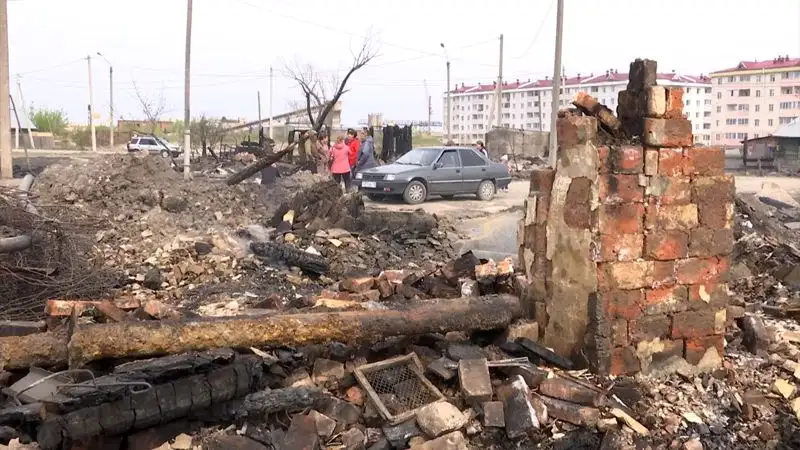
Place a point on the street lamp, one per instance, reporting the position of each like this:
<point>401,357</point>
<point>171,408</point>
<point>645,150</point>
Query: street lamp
<point>110,100</point>
<point>447,115</point>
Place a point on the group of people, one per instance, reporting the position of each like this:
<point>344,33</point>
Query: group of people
<point>348,155</point>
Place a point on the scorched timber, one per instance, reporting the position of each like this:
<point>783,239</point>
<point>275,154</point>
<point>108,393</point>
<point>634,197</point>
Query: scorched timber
<point>151,338</point>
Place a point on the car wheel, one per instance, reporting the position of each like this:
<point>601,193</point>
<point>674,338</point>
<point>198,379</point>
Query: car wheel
<point>376,197</point>
<point>486,190</point>
<point>448,196</point>
<point>415,193</point>
<point>164,154</point>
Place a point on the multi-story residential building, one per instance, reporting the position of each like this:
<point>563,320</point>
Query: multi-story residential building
<point>754,98</point>
<point>527,104</point>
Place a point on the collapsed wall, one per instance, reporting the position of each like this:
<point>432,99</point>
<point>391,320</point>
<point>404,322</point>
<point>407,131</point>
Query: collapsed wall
<point>627,245</point>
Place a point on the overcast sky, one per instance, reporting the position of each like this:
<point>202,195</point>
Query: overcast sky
<point>235,41</point>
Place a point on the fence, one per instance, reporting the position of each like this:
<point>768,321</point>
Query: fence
<point>517,143</point>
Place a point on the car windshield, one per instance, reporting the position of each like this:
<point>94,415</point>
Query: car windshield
<point>419,157</point>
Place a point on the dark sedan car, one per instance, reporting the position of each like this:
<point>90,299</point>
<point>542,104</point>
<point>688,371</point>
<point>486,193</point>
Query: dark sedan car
<point>443,171</point>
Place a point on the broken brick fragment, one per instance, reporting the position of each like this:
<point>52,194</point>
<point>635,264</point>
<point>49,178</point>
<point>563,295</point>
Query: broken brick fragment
<point>357,285</point>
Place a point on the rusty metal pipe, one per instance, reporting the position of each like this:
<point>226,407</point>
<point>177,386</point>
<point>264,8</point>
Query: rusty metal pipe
<point>146,339</point>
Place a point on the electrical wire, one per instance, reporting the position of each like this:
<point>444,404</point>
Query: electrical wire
<point>52,67</point>
<point>538,31</point>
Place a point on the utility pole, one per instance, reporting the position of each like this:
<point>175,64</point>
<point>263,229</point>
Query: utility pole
<point>556,84</point>
<point>430,113</point>
<point>498,119</point>
<point>16,113</point>
<point>270,101</point>
<point>25,113</point>
<point>91,104</point>
<point>187,80</point>
<point>5,91</point>
<point>449,108</point>
<point>111,107</point>
<point>258,94</point>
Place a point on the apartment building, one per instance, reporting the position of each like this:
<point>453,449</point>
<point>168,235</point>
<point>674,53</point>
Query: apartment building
<point>754,98</point>
<point>527,104</point>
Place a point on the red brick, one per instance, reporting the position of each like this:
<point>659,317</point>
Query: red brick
<point>699,323</point>
<point>626,159</point>
<point>650,213</point>
<point>621,247</point>
<point>357,285</point>
<point>542,209</point>
<point>665,245</point>
<point>674,103</point>
<point>670,190</point>
<point>671,162</point>
<point>666,300</point>
<point>602,159</point>
<point>575,130</point>
<point>696,347</point>
<point>542,181</point>
<point>700,270</point>
<point>618,188</point>
<point>705,161</point>
<point>707,241</point>
<point>619,333</point>
<point>647,328</point>
<point>577,205</point>
<point>716,215</point>
<point>667,132</point>
<point>673,217</point>
<point>714,294</point>
<point>621,304</point>
<point>656,101</point>
<point>624,361</point>
<point>713,190</point>
<point>663,273</point>
<point>650,162</point>
<point>624,275</point>
<point>622,219</point>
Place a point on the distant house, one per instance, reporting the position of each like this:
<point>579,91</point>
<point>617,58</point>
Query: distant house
<point>129,126</point>
<point>781,148</point>
<point>296,119</point>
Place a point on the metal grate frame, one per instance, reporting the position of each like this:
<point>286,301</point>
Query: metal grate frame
<point>402,378</point>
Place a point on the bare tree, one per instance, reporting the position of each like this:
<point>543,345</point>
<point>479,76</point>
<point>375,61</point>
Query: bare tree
<point>209,131</point>
<point>321,93</point>
<point>152,108</point>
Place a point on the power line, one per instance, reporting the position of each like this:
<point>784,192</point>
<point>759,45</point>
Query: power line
<point>52,67</point>
<point>538,31</point>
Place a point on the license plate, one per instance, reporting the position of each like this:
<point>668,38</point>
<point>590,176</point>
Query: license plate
<point>369,184</point>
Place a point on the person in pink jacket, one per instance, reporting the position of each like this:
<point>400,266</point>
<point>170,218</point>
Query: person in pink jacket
<point>340,162</point>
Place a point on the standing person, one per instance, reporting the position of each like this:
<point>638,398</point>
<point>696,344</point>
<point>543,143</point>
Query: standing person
<point>323,161</point>
<point>353,144</point>
<point>482,148</point>
<point>366,153</point>
<point>504,161</point>
<point>340,162</point>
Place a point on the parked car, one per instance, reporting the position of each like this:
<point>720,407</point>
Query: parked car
<point>156,145</point>
<point>444,171</point>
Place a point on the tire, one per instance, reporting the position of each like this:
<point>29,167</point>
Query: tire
<point>486,190</point>
<point>415,193</point>
<point>376,197</point>
<point>448,196</point>
<point>164,154</point>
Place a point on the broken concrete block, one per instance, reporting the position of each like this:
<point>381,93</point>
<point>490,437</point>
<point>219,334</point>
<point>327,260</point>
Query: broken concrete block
<point>439,418</point>
<point>570,412</point>
<point>469,287</point>
<point>784,388</point>
<point>395,277</point>
<point>298,378</point>
<point>604,425</point>
<point>528,329</point>
<point>457,351</point>
<point>302,433</point>
<point>384,286</point>
<point>338,410</point>
<point>399,435</point>
<point>656,101</point>
<point>326,369</point>
<point>474,379</point>
<point>461,267</point>
<point>357,285</point>
<point>486,273</point>
<point>493,415</point>
<point>325,425</point>
<point>353,439</point>
<point>520,415</point>
<point>451,441</point>
<point>755,335</point>
<point>505,268</point>
<point>441,367</point>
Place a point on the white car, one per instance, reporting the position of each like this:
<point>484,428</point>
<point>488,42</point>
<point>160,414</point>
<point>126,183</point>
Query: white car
<point>152,144</point>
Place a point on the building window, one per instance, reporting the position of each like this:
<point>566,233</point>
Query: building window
<point>772,78</point>
<point>718,123</point>
<point>743,121</point>
<point>730,121</point>
<point>744,107</point>
<point>758,92</point>
<point>594,89</point>
<point>744,92</point>
<point>758,78</point>
<point>708,90</point>
<point>719,95</point>
<point>772,92</point>
<point>697,114</point>
<point>697,103</point>
<point>786,90</point>
<point>718,136</point>
<point>756,122</point>
<point>688,90</point>
<point>707,114</point>
<point>731,106</point>
<point>744,77</point>
<point>741,136</point>
<point>758,108</point>
<point>769,122</point>
<point>687,102</point>
<point>706,126</point>
<point>707,102</point>
<point>719,81</point>
<point>732,91</point>
<point>719,109</point>
<point>771,107</point>
<point>731,79</point>
<point>785,120</point>
<point>755,135</point>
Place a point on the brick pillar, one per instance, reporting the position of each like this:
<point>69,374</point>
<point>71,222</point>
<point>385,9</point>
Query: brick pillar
<point>627,246</point>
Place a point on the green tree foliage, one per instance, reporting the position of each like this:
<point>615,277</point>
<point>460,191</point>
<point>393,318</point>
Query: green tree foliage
<point>52,120</point>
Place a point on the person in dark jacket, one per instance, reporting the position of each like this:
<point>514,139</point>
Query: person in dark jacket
<point>366,153</point>
<point>482,148</point>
